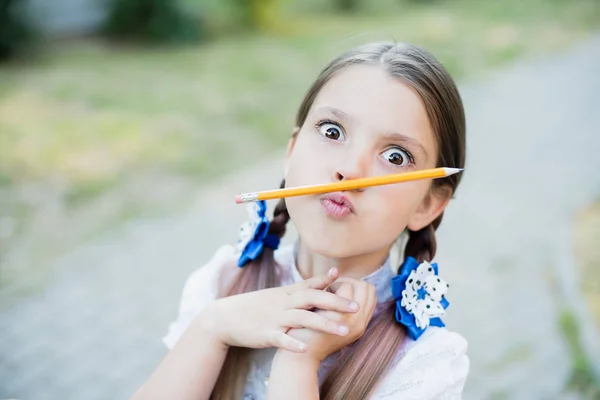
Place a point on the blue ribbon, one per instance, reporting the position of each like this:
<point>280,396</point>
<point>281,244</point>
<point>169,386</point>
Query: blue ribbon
<point>403,316</point>
<point>260,239</point>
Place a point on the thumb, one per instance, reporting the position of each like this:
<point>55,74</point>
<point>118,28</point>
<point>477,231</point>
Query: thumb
<point>319,282</point>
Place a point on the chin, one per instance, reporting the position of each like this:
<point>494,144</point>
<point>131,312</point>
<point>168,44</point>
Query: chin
<point>324,245</point>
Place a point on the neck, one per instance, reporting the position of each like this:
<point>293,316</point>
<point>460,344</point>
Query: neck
<point>310,263</point>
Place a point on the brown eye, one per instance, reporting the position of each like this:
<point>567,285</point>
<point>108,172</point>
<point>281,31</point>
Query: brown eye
<point>397,156</point>
<point>331,131</point>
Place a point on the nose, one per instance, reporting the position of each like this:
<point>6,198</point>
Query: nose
<point>342,174</point>
<point>353,168</point>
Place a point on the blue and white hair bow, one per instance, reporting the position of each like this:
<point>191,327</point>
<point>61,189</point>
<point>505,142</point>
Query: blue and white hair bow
<point>420,296</point>
<point>254,234</point>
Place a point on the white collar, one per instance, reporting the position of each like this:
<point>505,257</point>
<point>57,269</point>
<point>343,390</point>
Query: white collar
<point>380,278</point>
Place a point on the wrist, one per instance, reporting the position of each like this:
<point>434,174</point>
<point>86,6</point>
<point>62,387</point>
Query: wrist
<point>301,361</point>
<point>209,325</point>
<point>294,376</point>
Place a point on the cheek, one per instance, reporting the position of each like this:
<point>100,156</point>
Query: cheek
<point>305,166</point>
<point>295,173</point>
<point>398,203</point>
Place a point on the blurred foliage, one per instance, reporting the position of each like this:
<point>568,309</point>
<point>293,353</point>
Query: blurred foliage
<point>347,5</point>
<point>582,379</point>
<point>155,21</point>
<point>89,113</point>
<point>93,132</point>
<point>256,14</point>
<point>226,17</point>
<point>17,33</point>
<point>587,253</point>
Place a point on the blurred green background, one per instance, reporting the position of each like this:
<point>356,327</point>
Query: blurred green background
<point>127,117</point>
<point>168,95</point>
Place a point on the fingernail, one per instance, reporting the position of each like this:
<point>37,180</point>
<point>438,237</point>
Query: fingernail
<point>302,347</point>
<point>330,273</point>
<point>343,329</point>
<point>353,306</point>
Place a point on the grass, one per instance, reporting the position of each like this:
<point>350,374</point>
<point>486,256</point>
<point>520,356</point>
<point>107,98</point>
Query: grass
<point>90,124</point>
<point>91,113</point>
<point>587,252</point>
<point>582,379</point>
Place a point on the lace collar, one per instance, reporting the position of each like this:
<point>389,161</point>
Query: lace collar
<point>380,278</point>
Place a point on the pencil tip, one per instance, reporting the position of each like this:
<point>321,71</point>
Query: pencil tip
<point>452,171</point>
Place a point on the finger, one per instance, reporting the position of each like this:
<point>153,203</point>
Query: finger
<point>312,320</point>
<point>358,288</point>
<point>313,298</point>
<point>345,290</point>
<point>343,281</point>
<point>364,293</point>
<point>373,297</point>
<point>371,302</point>
<point>286,342</point>
<point>318,281</point>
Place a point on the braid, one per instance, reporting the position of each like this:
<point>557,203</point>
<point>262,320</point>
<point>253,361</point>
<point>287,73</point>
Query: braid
<point>280,216</point>
<point>256,275</point>
<point>422,244</point>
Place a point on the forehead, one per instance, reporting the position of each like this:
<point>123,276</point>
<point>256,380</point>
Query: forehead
<point>373,97</point>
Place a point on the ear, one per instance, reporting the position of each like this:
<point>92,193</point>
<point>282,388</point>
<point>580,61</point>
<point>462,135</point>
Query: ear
<point>290,148</point>
<point>430,208</point>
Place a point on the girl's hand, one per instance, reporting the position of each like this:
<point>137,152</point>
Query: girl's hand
<point>322,344</point>
<point>262,318</point>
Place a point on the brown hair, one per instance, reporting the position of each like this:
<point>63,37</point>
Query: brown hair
<point>357,372</point>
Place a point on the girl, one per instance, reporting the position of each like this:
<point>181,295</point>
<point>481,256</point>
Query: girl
<point>352,309</point>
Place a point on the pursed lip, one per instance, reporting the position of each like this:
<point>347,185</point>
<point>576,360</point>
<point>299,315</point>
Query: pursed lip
<point>339,198</point>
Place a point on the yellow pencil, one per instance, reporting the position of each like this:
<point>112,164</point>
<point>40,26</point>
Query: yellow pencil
<point>351,184</point>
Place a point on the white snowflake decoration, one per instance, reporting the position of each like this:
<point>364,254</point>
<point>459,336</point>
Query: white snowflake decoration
<point>423,293</point>
<point>248,228</point>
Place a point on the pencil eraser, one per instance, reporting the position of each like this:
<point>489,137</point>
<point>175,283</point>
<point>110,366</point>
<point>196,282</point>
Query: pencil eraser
<point>238,198</point>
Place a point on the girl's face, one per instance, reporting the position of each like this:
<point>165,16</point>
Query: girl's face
<point>362,123</point>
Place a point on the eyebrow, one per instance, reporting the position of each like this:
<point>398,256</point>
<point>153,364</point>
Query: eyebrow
<point>338,113</point>
<point>403,138</point>
<point>395,136</point>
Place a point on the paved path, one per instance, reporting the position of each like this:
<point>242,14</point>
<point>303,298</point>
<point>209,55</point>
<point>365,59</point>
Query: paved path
<point>94,333</point>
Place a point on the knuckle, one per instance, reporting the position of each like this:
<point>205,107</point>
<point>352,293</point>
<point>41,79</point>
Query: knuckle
<point>313,282</point>
<point>304,296</point>
<point>302,318</point>
<point>337,317</point>
<point>272,337</point>
<point>329,325</point>
<point>281,319</point>
<point>312,296</point>
<point>286,317</point>
<point>330,298</point>
<point>328,302</point>
<point>341,303</point>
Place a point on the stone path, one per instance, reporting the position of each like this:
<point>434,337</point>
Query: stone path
<point>94,332</point>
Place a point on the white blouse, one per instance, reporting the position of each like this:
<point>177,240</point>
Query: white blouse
<point>433,367</point>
